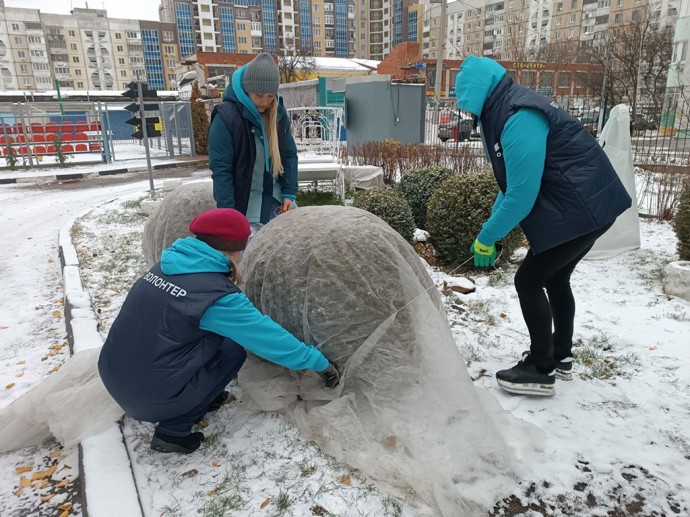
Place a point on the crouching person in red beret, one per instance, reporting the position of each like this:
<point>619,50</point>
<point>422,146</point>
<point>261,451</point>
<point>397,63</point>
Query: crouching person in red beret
<point>182,331</point>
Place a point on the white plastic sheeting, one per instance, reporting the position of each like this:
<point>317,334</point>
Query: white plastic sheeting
<point>624,235</point>
<point>406,410</point>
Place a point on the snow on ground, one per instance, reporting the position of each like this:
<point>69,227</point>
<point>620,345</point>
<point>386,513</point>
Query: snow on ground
<point>618,435</point>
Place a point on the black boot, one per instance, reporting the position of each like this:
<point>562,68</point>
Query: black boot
<point>181,444</point>
<point>525,379</point>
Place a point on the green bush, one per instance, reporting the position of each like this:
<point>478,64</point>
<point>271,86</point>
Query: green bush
<point>418,186</point>
<point>681,223</point>
<point>317,198</point>
<point>456,213</point>
<point>390,207</point>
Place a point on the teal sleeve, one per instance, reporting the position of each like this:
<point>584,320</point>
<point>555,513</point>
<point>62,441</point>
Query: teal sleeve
<point>497,203</point>
<point>524,150</point>
<point>220,158</point>
<point>290,167</point>
<point>235,317</point>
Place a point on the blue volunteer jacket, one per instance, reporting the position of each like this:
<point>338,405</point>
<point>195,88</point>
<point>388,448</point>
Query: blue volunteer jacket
<point>160,358</point>
<point>232,152</point>
<point>555,179</point>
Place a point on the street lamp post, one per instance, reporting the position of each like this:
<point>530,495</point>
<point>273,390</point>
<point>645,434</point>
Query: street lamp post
<point>439,53</point>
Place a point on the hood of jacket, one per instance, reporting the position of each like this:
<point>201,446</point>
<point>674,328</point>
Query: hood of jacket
<point>477,79</point>
<point>190,255</point>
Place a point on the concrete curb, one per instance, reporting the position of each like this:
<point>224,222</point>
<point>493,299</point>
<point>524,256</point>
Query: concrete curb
<point>104,462</point>
<point>69,176</point>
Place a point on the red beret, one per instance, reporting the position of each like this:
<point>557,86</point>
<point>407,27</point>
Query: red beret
<point>225,229</point>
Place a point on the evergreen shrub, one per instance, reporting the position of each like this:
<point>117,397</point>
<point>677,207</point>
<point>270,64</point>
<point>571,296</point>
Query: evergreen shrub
<point>417,187</point>
<point>316,197</point>
<point>456,213</point>
<point>389,206</point>
<point>681,223</point>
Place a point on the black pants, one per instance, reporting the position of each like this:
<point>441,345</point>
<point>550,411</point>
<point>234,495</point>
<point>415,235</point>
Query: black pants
<point>551,270</point>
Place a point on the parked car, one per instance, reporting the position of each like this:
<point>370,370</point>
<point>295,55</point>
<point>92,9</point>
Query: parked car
<point>641,122</point>
<point>458,128</point>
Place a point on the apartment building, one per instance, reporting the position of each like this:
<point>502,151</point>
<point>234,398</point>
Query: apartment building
<point>83,51</point>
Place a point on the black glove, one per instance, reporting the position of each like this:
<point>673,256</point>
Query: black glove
<point>330,376</point>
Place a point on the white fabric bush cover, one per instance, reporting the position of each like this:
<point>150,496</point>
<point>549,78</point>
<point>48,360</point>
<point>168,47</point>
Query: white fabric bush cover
<point>677,279</point>
<point>406,410</point>
<point>171,218</point>
<point>624,235</point>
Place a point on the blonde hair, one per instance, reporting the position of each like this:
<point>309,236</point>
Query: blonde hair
<point>270,120</point>
<point>234,272</point>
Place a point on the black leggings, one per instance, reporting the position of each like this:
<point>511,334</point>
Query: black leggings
<point>551,270</point>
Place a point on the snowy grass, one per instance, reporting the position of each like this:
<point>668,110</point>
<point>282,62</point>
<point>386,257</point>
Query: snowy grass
<point>617,436</point>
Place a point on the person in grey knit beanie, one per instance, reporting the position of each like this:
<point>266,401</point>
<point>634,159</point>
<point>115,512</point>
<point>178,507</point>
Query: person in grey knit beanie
<point>261,75</point>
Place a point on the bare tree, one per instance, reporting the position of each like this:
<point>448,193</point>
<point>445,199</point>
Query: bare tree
<point>296,66</point>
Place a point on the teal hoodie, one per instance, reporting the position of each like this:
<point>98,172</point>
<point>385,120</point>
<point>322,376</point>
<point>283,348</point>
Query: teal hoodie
<point>234,316</point>
<point>523,141</point>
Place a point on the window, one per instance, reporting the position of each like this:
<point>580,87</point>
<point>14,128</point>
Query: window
<point>27,82</point>
<point>75,59</point>
<point>34,39</point>
<point>680,50</point>
<point>23,68</point>
<point>329,19</point>
<point>558,20</point>
<point>123,73</point>
<point>21,54</point>
<point>316,8</point>
<point>170,50</point>
<point>208,36</point>
<point>206,22</point>
<point>36,53</point>
<point>80,85</point>
<point>120,48</point>
<point>40,67</point>
<point>132,35</point>
<point>72,34</point>
<point>168,36</point>
<point>73,46</point>
<point>18,40</point>
<point>635,15</point>
<point>77,71</point>
<point>205,8</point>
<point>571,33</point>
<point>241,26</point>
<point>559,6</point>
<point>118,35</point>
<point>573,4</point>
<point>242,40</point>
<point>240,14</point>
<point>558,35</point>
<point>121,61</point>
<point>573,18</point>
<point>317,31</point>
<point>317,20</point>
<point>61,70</point>
<point>15,26</point>
<point>620,3</point>
<point>564,80</point>
<point>317,44</point>
<point>170,63</point>
<point>619,18</point>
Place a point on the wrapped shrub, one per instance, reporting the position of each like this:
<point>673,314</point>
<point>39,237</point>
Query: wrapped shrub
<point>456,213</point>
<point>418,186</point>
<point>390,207</point>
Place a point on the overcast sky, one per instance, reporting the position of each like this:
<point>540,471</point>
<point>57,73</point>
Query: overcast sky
<point>133,9</point>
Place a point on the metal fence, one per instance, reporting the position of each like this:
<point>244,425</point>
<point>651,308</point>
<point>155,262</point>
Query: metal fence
<point>47,132</point>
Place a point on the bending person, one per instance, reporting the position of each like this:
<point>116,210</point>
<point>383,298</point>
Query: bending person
<point>252,155</point>
<point>555,182</point>
<point>181,334</point>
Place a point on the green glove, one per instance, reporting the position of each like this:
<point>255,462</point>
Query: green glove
<point>484,256</point>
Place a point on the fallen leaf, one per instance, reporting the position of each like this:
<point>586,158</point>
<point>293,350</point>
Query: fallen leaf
<point>24,482</point>
<point>55,453</point>
<point>20,374</point>
<point>55,368</point>
<point>390,442</point>
<point>56,314</point>
<point>63,483</point>
<point>44,473</point>
<point>64,514</point>
<point>345,480</point>
<point>9,386</point>
<point>216,464</point>
<point>3,327</point>
<point>22,361</point>
<point>213,492</point>
<point>50,261</point>
<point>504,315</point>
<point>203,424</point>
<point>66,507</point>
<point>47,498</point>
<point>22,469</point>
<point>190,473</point>
<point>265,503</point>
<point>18,492</point>
<point>42,483</point>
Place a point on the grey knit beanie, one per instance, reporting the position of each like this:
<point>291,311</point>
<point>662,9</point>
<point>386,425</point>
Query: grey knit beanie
<point>261,75</point>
